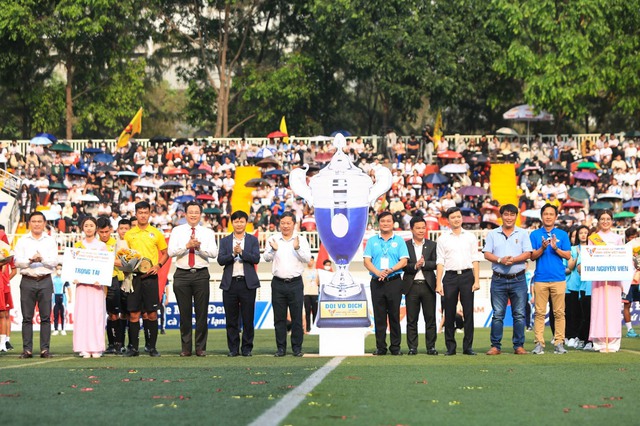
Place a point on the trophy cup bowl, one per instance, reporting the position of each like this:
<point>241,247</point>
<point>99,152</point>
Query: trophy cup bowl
<point>340,195</point>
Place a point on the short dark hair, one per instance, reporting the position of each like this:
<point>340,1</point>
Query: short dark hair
<point>288,214</point>
<point>549,206</point>
<point>239,214</point>
<point>509,208</point>
<point>37,213</point>
<point>124,222</point>
<point>416,219</point>
<point>141,205</point>
<point>192,203</point>
<point>103,222</point>
<point>451,210</point>
<point>384,214</point>
<point>630,231</point>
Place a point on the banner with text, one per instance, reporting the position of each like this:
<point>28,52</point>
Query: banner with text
<point>87,266</point>
<point>606,263</point>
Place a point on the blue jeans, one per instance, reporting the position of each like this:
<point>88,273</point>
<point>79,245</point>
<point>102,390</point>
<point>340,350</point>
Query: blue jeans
<point>502,291</point>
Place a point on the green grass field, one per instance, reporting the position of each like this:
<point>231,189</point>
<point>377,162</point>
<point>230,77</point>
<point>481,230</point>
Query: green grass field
<point>577,388</point>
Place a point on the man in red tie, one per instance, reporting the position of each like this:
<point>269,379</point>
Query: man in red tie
<point>193,246</point>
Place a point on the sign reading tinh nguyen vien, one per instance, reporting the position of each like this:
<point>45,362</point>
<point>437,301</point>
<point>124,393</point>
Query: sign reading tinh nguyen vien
<point>606,263</point>
<point>87,266</point>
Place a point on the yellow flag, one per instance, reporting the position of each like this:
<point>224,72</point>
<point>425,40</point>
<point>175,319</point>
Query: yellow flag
<point>283,129</point>
<point>437,130</point>
<point>133,128</point>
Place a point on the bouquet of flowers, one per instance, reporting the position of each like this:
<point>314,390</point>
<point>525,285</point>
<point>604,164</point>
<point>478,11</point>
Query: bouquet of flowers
<point>636,264</point>
<point>131,261</point>
<point>5,255</point>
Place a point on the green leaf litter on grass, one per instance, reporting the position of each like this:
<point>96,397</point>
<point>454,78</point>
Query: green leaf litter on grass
<point>454,403</point>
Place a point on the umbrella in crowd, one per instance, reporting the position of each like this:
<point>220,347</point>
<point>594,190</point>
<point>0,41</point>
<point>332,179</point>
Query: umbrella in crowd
<point>264,153</point>
<point>609,196</point>
<point>601,205</point>
<point>256,182</point>
<point>489,224</point>
<point>212,210</point>
<point>472,191</point>
<point>467,211</point>
<point>507,131</point>
<point>48,136</point>
<point>61,147</point>
<point>435,178</point>
<point>454,168</point>
<point>567,218</point>
<point>449,154</point>
<point>195,172</point>
<point>184,199</point>
<point>103,158</point>
<point>586,176</point>
<point>58,185</point>
<point>471,220</point>
<point>276,172</point>
<point>268,162</point>
<point>105,168</point>
<point>555,168</point>
<point>277,134</point>
<point>40,140</point>
<point>530,169</point>
<point>145,184</point>
<point>177,172</point>
<point>171,184</point>
<point>478,158</point>
<point>160,139</point>
<point>320,138</point>
<point>205,197</point>
<point>344,133</point>
<point>531,214</point>
<point>50,215</point>
<point>203,182</point>
<point>632,134</point>
<point>526,113</point>
<point>92,151</point>
<point>587,165</point>
<point>578,194</point>
<point>631,204</point>
<point>78,172</point>
<point>624,215</point>
<point>572,205</point>
<point>89,198</point>
<point>127,173</point>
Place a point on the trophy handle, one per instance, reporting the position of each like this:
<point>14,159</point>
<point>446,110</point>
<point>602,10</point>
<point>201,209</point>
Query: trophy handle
<point>382,185</point>
<point>298,183</point>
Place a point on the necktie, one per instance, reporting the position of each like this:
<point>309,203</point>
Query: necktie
<point>192,251</point>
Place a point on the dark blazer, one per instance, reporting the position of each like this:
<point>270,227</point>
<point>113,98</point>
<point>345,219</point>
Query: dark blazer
<point>428,269</point>
<point>250,258</point>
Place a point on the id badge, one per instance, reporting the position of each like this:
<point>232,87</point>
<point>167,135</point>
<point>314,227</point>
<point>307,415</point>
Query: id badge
<point>384,263</point>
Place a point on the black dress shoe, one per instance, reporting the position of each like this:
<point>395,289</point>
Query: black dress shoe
<point>201,352</point>
<point>132,352</point>
<point>449,353</point>
<point>412,352</point>
<point>154,352</point>
<point>378,352</point>
<point>280,353</point>
<point>25,355</point>
<point>9,346</point>
<point>432,352</point>
<point>45,354</point>
<point>396,353</point>
<point>162,331</point>
<point>469,352</point>
<point>232,354</point>
<point>246,354</point>
<point>185,353</point>
<point>111,350</point>
<point>297,354</point>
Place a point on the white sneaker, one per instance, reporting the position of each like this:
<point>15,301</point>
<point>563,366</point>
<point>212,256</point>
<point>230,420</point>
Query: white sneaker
<point>559,349</point>
<point>64,333</point>
<point>571,342</point>
<point>538,350</point>
<point>54,333</point>
<point>579,344</point>
<point>96,354</point>
<point>589,347</point>
<point>85,355</point>
<point>3,348</point>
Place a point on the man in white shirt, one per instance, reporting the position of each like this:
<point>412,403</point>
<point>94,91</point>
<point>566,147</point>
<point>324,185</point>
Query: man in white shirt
<point>457,276</point>
<point>289,254</point>
<point>36,255</point>
<point>193,246</point>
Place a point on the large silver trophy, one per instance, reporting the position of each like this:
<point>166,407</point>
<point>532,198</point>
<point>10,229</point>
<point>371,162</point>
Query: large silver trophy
<point>341,194</point>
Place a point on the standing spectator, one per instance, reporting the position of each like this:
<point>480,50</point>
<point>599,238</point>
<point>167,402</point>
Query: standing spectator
<point>457,277</point>
<point>311,284</point>
<point>289,254</point>
<point>508,248</point>
<point>384,257</point>
<point>61,295</point>
<point>420,286</point>
<point>550,246</point>
<point>193,246</point>
<point>36,255</point>
<point>239,255</point>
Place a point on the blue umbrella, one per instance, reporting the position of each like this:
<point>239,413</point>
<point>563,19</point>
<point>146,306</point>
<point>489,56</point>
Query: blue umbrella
<point>40,140</point>
<point>184,199</point>
<point>264,153</point>
<point>48,136</point>
<point>103,158</point>
<point>92,151</point>
<point>466,211</point>
<point>276,172</point>
<point>127,173</point>
<point>76,172</point>
<point>435,178</point>
<point>345,133</point>
<point>631,204</point>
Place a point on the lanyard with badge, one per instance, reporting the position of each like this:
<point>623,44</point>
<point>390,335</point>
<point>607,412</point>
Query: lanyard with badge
<point>384,261</point>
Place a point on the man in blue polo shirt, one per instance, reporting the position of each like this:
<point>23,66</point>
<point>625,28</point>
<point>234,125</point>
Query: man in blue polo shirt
<point>508,248</point>
<point>384,257</point>
<point>550,245</point>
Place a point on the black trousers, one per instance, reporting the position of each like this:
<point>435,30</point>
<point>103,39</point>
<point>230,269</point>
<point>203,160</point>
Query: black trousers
<point>585,306</point>
<point>287,296</point>
<point>421,296</point>
<point>32,292</point>
<point>458,285</point>
<point>310,308</point>
<point>239,303</point>
<point>58,311</point>
<point>386,298</point>
<point>192,288</point>
<point>572,314</point>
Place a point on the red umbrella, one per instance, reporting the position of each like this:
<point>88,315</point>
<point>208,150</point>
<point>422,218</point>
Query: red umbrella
<point>175,172</point>
<point>277,134</point>
<point>472,191</point>
<point>572,205</point>
<point>449,154</point>
<point>205,197</point>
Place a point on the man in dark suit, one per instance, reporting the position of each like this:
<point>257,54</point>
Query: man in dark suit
<point>420,286</point>
<point>239,254</point>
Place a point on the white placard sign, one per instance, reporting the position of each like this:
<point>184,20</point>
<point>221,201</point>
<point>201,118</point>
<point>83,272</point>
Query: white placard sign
<point>606,263</point>
<point>87,266</point>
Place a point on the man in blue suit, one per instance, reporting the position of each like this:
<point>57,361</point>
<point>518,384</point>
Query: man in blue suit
<point>239,254</point>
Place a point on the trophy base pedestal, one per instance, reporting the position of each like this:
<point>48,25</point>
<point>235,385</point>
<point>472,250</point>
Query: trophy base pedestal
<point>342,341</point>
<point>343,312</point>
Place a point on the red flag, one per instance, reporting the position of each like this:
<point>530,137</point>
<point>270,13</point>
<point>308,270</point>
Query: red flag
<point>322,256</point>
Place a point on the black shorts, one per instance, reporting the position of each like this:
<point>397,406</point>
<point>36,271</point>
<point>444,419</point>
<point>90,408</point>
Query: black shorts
<point>634,294</point>
<point>113,297</point>
<point>145,294</point>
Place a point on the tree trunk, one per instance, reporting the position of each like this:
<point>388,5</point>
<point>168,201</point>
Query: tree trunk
<point>69,102</point>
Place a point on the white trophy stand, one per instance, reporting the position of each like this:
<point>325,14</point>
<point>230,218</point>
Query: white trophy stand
<point>342,341</point>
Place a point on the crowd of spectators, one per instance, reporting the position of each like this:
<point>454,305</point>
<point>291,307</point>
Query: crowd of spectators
<point>101,180</point>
